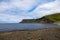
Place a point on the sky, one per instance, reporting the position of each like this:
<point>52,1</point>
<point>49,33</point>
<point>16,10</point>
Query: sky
<point>14,11</point>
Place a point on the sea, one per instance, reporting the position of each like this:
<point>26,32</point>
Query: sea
<point>25,26</point>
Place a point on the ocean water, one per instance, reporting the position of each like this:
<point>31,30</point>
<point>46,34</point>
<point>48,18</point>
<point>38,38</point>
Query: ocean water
<point>25,26</point>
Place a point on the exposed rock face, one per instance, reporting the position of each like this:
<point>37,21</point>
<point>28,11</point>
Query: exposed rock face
<point>55,18</point>
<point>40,20</point>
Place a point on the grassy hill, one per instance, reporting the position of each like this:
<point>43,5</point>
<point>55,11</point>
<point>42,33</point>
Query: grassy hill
<point>54,18</point>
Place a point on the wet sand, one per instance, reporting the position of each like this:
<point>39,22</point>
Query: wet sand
<point>40,34</point>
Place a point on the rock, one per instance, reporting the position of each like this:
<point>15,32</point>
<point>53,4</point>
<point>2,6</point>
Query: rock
<point>54,18</point>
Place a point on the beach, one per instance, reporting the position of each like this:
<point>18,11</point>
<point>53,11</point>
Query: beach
<point>40,34</point>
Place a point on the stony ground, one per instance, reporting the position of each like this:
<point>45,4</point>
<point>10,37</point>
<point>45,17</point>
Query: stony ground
<point>41,34</point>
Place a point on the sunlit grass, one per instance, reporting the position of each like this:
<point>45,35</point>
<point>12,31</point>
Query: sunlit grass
<point>53,18</point>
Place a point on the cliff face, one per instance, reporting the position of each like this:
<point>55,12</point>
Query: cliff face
<point>55,18</point>
<point>40,20</point>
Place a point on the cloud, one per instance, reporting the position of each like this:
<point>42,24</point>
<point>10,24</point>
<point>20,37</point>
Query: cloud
<point>10,18</point>
<point>47,9</point>
<point>10,10</point>
<point>14,11</point>
<point>21,4</point>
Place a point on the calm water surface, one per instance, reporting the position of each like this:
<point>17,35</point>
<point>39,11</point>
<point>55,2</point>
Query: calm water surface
<point>25,26</point>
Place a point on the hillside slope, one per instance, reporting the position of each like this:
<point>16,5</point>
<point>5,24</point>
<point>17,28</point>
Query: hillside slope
<point>54,18</point>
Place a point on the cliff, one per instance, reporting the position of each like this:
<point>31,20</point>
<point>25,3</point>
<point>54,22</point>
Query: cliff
<point>54,18</point>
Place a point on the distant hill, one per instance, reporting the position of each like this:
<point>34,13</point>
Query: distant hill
<point>54,18</point>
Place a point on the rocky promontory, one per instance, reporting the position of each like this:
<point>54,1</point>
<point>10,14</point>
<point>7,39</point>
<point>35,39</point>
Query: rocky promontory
<point>54,18</point>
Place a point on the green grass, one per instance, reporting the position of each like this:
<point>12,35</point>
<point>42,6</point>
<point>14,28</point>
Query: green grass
<point>54,17</point>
